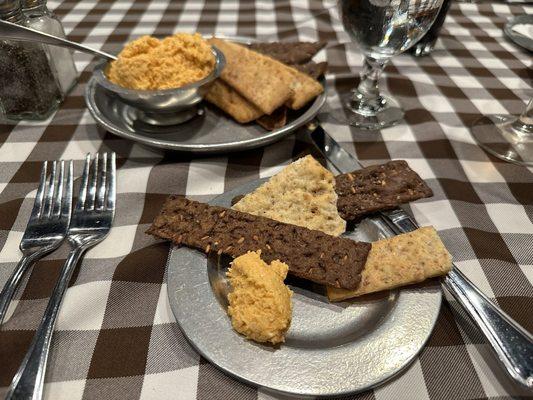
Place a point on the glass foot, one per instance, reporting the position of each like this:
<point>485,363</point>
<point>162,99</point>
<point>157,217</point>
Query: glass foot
<point>380,114</point>
<point>501,136</point>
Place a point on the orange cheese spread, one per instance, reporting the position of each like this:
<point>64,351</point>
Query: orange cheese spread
<point>260,304</point>
<point>148,63</point>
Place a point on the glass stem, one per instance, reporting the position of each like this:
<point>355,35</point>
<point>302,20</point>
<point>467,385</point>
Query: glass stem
<point>524,123</point>
<point>367,95</point>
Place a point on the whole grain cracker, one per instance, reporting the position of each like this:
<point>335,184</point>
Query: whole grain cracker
<point>399,261</point>
<point>262,80</point>
<point>304,89</point>
<point>303,194</point>
<point>276,120</point>
<point>228,100</point>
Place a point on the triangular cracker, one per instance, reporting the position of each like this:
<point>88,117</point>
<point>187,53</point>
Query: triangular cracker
<point>303,194</point>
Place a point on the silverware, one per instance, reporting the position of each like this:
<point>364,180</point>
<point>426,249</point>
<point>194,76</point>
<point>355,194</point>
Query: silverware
<point>91,221</point>
<point>47,226</point>
<point>512,344</point>
<point>9,30</point>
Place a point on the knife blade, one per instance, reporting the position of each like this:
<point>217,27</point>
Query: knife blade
<point>511,343</point>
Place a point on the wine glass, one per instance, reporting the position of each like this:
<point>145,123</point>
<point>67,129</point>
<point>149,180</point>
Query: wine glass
<point>381,29</point>
<point>506,136</point>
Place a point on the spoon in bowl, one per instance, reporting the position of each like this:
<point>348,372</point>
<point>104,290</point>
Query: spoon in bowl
<point>9,30</point>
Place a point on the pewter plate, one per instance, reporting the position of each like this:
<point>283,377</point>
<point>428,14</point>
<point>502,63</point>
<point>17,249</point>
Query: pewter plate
<point>521,40</point>
<point>211,132</point>
<point>330,349</point>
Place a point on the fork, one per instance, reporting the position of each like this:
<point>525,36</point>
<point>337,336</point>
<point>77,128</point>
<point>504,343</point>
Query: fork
<point>90,224</point>
<point>47,226</point>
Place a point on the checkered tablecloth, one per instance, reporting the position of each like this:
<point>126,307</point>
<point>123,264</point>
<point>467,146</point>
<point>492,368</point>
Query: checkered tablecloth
<point>116,337</point>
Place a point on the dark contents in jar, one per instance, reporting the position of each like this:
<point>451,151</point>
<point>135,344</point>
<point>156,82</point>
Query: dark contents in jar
<point>27,85</point>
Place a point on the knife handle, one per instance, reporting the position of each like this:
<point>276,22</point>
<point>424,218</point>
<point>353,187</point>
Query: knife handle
<point>512,344</point>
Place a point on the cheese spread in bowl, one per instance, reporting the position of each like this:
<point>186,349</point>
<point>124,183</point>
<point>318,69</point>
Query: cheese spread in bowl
<point>163,79</point>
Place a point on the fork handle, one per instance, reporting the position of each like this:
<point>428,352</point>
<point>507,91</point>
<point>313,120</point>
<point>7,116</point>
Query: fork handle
<point>14,280</point>
<point>29,380</point>
<point>511,342</point>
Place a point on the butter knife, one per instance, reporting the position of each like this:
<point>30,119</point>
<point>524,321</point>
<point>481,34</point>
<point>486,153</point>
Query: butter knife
<point>512,344</point>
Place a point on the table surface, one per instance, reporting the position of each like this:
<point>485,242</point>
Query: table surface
<point>116,336</point>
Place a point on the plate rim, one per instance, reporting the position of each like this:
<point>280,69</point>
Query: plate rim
<point>263,140</point>
<point>174,307</point>
<point>522,41</point>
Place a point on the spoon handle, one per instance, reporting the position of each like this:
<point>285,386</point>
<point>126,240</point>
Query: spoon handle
<point>9,30</point>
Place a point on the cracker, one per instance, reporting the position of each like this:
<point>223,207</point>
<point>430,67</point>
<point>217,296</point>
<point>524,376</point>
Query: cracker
<point>313,69</point>
<point>276,120</point>
<point>263,81</point>
<point>289,52</point>
<point>302,194</point>
<point>378,187</point>
<point>231,102</point>
<point>304,89</point>
<point>399,261</point>
<point>310,254</point>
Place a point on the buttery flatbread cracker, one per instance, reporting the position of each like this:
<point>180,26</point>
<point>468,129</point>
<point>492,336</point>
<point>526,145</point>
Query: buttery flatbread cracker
<point>304,89</point>
<point>263,81</point>
<point>303,194</point>
<point>399,261</point>
<point>231,102</point>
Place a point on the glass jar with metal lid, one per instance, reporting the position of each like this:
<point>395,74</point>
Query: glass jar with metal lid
<point>28,86</point>
<point>41,19</point>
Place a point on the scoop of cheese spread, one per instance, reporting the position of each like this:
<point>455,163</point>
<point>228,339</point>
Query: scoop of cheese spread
<point>149,63</point>
<point>260,303</point>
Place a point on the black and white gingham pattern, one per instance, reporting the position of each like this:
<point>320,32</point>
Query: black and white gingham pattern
<point>116,336</point>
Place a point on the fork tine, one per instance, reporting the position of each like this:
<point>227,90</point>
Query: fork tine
<point>82,194</point>
<point>38,202</point>
<point>111,183</point>
<point>66,201</point>
<point>49,196</point>
<point>102,172</point>
<point>91,195</point>
<point>58,195</point>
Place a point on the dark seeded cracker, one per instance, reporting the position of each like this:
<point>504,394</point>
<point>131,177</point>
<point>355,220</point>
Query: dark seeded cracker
<point>377,188</point>
<point>310,254</point>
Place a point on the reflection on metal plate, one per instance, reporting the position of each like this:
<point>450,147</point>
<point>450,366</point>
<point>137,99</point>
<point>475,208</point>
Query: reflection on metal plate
<point>330,349</point>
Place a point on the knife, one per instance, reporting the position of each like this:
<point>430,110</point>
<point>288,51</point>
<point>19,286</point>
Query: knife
<point>512,344</point>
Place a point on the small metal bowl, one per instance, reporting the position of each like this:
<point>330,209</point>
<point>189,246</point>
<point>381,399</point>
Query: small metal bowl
<point>166,106</point>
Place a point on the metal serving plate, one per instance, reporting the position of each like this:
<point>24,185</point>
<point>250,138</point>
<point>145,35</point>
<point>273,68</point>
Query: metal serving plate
<point>516,37</point>
<point>211,132</point>
<point>330,349</point>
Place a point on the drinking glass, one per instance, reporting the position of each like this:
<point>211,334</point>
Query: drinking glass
<point>382,29</point>
<point>426,45</point>
<point>506,136</point>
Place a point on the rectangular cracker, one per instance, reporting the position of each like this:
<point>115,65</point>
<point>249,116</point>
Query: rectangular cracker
<point>289,52</point>
<point>378,187</point>
<point>310,254</point>
<point>304,89</point>
<point>231,102</point>
<point>399,261</point>
<point>263,81</point>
